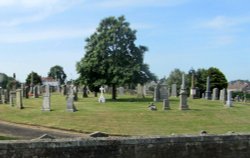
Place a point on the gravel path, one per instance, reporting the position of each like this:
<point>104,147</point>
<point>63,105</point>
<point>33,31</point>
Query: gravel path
<point>31,132</point>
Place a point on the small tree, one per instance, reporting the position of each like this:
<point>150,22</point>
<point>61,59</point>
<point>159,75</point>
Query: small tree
<point>57,72</point>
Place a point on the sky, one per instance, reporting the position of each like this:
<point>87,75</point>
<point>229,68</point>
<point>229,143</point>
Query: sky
<point>38,34</point>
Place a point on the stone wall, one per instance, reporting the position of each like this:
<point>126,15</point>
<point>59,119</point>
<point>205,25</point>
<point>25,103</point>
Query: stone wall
<point>209,146</point>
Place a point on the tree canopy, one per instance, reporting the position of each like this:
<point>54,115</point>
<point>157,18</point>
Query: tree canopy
<point>112,58</point>
<point>33,78</point>
<point>57,72</point>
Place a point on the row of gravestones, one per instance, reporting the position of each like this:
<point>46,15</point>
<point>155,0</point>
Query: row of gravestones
<point>14,98</point>
<point>161,94</point>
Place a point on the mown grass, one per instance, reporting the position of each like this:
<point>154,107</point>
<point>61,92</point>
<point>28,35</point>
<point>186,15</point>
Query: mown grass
<point>130,116</point>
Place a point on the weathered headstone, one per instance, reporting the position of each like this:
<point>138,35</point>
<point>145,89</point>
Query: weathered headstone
<point>183,95</point>
<point>85,92</point>
<point>223,95</point>
<point>46,99</point>
<point>215,95</point>
<point>208,92</point>
<point>192,89</point>
<point>163,91</point>
<point>35,92</point>
<point>229,98</point>
<point>26,94</point>
<point>140,91</point>
<point>166,104</point>
<point>19,99</point>
<point>174,90</point>
<point>22,90</point>
<point>70,101</point>
<point>121,91</point>
<point>157,93</point>
<point>12,98</point>
<point>102,98</point>
<point>75,93</point>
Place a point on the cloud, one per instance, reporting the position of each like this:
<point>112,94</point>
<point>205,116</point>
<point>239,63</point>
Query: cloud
<point>42,35</point>
<point>223,22</point>
<point>19,12</point>
<point>138,3</point>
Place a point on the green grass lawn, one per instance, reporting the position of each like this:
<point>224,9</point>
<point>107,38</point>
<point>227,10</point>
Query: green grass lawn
<point>130,116</point>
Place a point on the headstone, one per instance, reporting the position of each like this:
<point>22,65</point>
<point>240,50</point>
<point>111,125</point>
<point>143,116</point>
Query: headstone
<point>64,90</point>
<point>192,89</point>
<point>19,99</point>
<point>102,98</point>
<point>203,95</point>
<point>121,91</point>
<point>26,94</point>
<point>46,99</point>
<point>22,90</point>
<point>229,98</point>
<point>166,104</point>
<point>12,98</point>
<point>215,95</point>
<point>1,92</point>
<point>163,91</point>
<point>70,101</point>
<point>85,92</point>
<point>35,92</point>
<point>174,90</point>
<point>7,95</point>
<point>3,100</point>
<point>75,93</point>
<point>183,95</point>
<point>237,98</point>
<point>157,93</point>
<point>208,92</point>
<point>223,95</point>
<point>140,91</point>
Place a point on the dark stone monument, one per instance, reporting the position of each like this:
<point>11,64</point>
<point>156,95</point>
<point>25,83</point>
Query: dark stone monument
<point>208,92</point>
<point>183,95</point>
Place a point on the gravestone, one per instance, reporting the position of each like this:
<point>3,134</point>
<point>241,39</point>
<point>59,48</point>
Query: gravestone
<point>102,98</point>
<point>163,91</point>
<point>7,95</point>
<point>75,93</point>
<point>12,98</point>
<point>3,100</point>
<point>64,90</point>
<point>174,90</point>
<point>192,89</point>
<point>140,91</point>
<point>157,93</point>
<point>183,95</point>
<point>1,92</point>
<point>35,92</point>
<point>46,99</point>
<point>121,91</point>
<point>19,99</point>
<point>85,92</point>
<point>215,95</point>
<point>166,104</point>
<point>22,90</point>
<point>229,98</point>
<point>70,101</point>
<point>223,95</point>
<point>26,92</point>
<point>208,92</point>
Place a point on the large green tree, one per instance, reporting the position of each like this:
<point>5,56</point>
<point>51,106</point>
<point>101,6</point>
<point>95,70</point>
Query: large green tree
<point>57,72</point>
<point>111,57</point>
<point>33,78</point>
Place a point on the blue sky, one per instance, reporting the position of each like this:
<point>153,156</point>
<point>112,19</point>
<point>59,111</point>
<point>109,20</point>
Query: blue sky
<point>38,34</point>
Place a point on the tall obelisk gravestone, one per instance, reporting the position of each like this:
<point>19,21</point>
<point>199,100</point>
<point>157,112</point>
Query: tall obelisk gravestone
<point>208,92</point>
<point>183,95</point>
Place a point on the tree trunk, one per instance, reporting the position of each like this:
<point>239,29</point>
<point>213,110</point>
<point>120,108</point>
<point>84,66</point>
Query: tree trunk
<point>114,92</point>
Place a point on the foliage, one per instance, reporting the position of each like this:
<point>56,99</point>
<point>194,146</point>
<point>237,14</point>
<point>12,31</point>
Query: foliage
<point>7,82</point>
<point>33,78</point>
<point>217,78</point>
<point>57,72</point>
<point>112,58</point>
<point>175,77</point>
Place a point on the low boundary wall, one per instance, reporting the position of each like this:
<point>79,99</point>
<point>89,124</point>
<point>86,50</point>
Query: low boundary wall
<point>207,146</point>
